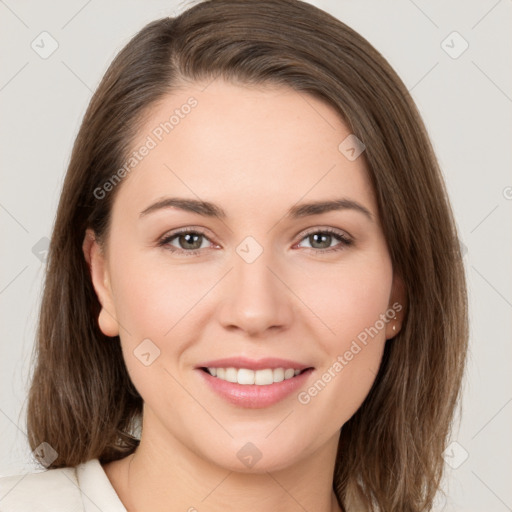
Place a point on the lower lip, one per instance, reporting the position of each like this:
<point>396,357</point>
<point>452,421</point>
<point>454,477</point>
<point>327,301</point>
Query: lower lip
<point>253,396</point>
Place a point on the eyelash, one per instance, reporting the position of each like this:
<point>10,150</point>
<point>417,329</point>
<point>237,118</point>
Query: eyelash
<point>165,241</point>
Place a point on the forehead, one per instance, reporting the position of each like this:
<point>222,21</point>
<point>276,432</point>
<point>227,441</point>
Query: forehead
<point>242,146</point>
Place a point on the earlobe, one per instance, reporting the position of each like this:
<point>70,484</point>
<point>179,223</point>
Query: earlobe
<point>397,303</point>
<point>101,282</point>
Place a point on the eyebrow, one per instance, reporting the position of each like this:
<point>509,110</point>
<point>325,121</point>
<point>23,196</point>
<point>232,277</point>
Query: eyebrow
<point>208,209</point>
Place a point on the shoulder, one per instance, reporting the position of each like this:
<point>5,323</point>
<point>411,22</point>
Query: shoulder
<point>53,490</point>
<point>82,488</point>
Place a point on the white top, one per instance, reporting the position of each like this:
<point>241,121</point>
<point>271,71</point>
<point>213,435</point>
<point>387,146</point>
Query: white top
<point>83,488</point>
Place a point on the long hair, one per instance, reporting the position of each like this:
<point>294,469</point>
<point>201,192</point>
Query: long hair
<point>82,401</point>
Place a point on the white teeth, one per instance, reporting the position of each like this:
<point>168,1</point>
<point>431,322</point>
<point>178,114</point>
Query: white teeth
<point>261,377</point>
<point>245,376</point>
<point>231,374</point>
<point>278,374</point>
<point>258,377</point>
<point>289,372</point>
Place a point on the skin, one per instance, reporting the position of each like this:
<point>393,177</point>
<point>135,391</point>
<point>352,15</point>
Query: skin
<point>255,151</point>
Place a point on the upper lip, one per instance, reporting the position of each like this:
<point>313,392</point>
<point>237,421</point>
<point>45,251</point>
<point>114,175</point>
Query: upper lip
<point>253,364</point>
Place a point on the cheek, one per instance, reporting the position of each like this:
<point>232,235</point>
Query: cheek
<point>161,302</point>
<point>349,298</point>
<point>151,307</point>
<point>350,302</point>
<point>151,298</point>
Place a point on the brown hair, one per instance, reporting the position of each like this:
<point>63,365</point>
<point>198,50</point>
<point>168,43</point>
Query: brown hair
<point>82,401</point>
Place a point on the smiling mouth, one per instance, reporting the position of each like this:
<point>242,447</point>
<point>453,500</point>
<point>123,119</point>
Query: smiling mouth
<point>246,376</point>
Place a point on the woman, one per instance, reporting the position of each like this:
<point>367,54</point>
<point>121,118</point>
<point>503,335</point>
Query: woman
<point>254,262</point>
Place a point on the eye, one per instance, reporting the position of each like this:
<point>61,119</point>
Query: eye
<point>325,237</point>
<point>190,241</point>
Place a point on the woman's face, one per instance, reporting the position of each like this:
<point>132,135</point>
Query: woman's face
<point>262,279</point>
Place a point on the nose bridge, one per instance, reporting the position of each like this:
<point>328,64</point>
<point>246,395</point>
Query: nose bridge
<point>253,279</point>
<point>251,267</point>
<point>256,298</point>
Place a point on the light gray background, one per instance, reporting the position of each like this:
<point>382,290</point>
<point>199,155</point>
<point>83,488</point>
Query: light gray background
<point>466,103</point>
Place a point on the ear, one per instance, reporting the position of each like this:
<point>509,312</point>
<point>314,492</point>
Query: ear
<point>397,302</point>
<point>107,319</point>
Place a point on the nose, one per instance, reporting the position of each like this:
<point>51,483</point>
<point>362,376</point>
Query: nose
<point>256,297</point>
